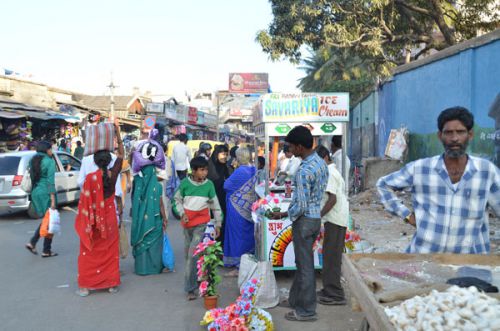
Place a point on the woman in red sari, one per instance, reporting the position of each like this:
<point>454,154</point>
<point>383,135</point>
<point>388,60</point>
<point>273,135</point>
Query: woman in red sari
<point>97,225</point>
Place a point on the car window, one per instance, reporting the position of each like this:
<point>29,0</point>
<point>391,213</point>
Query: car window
<point>69,163</point>
<point>9,165</point>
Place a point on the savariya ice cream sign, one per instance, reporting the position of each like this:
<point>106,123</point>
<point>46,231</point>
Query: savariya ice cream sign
<point>304,107</point>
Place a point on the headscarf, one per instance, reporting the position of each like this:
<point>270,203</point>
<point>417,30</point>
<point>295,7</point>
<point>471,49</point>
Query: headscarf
<point>217,171</point>
<point>147,153</point>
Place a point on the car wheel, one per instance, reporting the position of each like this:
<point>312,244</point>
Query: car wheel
<point>31,212</point>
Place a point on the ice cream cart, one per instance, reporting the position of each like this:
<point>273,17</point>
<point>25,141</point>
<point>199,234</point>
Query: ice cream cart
<point>275,115</point>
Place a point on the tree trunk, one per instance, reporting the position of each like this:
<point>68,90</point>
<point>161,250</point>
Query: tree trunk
<point>438,15</point>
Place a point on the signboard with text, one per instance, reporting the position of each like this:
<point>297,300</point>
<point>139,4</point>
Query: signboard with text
<point>278,245</point>
<point>303,108</point>
<point>192,117</point>
<point>248,83</point>
<point>155,108</point>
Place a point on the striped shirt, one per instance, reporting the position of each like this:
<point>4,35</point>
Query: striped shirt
<point>450,218</point>
<point>196,200</point>
<point>310,184</point>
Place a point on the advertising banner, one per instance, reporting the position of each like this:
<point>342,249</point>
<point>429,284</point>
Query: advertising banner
<point>248,83</point>
<point>279,244</point>
<point>192,117</point>
<point>181,114</point>
<point>155,108</point>
<point>170,111</point>
<point>210,120</point>
<point>302,107</point>
<point>200,118</point>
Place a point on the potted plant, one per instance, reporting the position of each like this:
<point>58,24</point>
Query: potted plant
<point>209,255</point>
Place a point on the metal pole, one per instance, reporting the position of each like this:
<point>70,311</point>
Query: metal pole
<point>112,98</point>
<point>345,171</point>
<point>218,112</point>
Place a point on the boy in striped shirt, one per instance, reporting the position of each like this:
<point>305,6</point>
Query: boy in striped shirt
<point>194,200</point>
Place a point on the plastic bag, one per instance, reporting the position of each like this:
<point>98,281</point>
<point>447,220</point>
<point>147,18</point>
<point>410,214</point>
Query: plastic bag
<point>54,221</point>
<point>209,232</point>
<point>123,241</point>
<point>168,256</point>
<point>44,227</point>
<point>267,295</point>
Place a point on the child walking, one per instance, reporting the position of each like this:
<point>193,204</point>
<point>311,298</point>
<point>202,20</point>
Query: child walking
<point>194,200</point>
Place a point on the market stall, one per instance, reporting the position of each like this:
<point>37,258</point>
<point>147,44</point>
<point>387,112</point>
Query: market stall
<point>413,291</point>
<point>275,115</point>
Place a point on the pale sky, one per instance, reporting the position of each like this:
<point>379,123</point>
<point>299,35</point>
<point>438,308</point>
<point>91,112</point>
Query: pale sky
<point>167,47</point>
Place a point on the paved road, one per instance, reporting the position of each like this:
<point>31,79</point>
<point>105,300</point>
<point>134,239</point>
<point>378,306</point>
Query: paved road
<point>39,294</point>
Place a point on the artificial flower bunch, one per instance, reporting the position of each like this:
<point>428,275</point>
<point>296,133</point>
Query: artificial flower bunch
<point>209,259</point>
<point>351,238</point>
<point>240,315</point>
<point>265,206</point>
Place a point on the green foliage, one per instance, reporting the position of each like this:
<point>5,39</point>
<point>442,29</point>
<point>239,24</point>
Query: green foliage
<point>374,33</point>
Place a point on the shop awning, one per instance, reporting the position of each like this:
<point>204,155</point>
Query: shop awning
<point>9,115</point>
<point>47,116</point>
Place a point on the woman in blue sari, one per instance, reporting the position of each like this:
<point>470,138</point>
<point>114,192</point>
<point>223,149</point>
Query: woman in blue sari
<point>240,195</point>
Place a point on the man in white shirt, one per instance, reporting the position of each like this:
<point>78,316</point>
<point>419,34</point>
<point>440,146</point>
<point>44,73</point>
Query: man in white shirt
<point>337,154</point>
<point>334,216</point>
<point>181,155</point>
<point>292,164</point>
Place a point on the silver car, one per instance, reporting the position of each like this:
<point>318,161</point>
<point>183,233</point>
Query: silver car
<point>12,168</point>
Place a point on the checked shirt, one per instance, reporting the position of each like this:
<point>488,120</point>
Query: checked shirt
<point>450,218</point>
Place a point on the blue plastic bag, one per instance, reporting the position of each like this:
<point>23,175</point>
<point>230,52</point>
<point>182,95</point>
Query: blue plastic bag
<point>168,256</point>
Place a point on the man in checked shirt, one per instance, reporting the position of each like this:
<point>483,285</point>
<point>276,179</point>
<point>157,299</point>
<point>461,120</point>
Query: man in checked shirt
<point>450,192</point>
<point>305,213</point>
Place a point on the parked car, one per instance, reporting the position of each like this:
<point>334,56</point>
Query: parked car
<point>12,169</point>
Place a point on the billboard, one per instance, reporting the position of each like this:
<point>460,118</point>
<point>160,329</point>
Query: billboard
<point>248,83</point>
<point>155,108</point>
<point>302,107</point>
<point>192,115</point>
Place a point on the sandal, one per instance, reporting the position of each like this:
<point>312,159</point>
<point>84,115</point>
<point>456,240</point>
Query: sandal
<point>191,296</point>
<point>31,249</point>
<point>83,292</point>
<point>49,254</point>
<point>113,290</point>
<point>292,316</point>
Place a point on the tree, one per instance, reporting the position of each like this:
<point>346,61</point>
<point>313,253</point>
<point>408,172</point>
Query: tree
<point>381,32</point>
<point>336,69</point>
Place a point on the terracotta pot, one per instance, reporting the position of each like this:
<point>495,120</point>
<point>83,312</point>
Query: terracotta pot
<point>210,301</point>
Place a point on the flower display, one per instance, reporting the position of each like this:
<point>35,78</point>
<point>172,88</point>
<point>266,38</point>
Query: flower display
<point>351,238</point>
<point>209,259</point>
<point>241,315</point>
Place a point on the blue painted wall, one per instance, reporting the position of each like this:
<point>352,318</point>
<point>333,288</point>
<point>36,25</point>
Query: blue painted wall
<point>415,98</point>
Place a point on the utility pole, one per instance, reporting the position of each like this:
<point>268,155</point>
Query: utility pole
<point>218,114</point>
<point>112,87</point>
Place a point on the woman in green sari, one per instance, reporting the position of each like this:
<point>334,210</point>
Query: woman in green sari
<point>43,193</point>
<point>148,222</point>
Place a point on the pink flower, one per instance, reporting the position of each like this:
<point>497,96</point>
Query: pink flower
<point>276,200</point>
<point>254,281</point>
<point>203,288</point>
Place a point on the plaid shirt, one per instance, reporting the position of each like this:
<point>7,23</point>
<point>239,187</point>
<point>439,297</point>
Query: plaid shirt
<point>450,218</point>
<point>310,184</point>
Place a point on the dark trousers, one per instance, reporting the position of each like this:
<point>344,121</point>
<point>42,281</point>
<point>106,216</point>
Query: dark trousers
<point>303,291</point>
<point>333,247</point>
<point>181,174</point>
<point>47,242</point>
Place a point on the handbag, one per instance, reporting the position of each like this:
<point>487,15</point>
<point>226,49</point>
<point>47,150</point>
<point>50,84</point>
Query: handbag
<point>123,241</point>
<point>26,184</point>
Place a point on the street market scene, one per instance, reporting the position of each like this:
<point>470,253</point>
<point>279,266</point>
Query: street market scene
<point>261,165</point>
